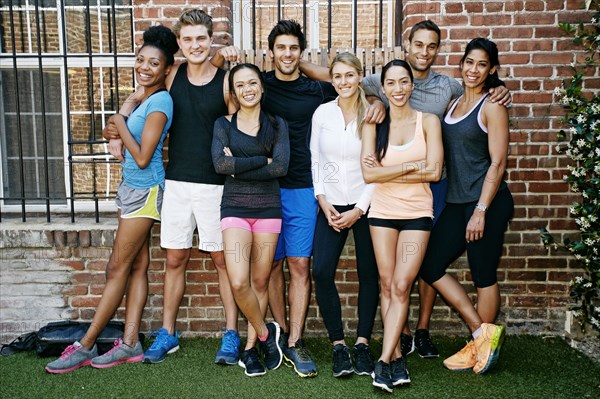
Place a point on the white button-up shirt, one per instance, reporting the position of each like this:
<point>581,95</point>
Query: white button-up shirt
<point>335,155</point>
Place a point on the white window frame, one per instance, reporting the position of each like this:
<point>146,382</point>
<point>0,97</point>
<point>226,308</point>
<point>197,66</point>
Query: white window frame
<point>52,61</point>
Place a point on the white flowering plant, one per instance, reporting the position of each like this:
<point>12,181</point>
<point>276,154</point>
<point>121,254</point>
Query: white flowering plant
<point>583,148</point>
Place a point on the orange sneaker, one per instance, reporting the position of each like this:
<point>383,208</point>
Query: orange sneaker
<point>487,346</point>
<point>464,359</point>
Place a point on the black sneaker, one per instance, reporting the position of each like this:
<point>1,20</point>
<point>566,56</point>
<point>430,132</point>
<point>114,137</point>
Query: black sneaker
<point>407,344</point>
<point>270,347</point>
<point>342,365</point>
<point>283,340</point>
<point>381,376</point>
<point>363,363</point>
<point>399,372</point>
<point>250,362</point>
<point>299,359</point>
<point>425,347</point>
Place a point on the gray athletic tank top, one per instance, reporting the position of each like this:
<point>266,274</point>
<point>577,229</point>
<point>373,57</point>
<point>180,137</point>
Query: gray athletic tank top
<point>466,154</point>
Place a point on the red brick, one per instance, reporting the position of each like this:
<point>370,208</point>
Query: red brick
<point>75,264</point>
<point>516,187</point>
<point>451,20</point>
<point>532,123</point>
<point>545,110</point>
<point>555,5</point>
<point>574,18</point>
<point>548,187</point>
<point>528,301</point>
<point>75,290</point>
<point>533,72</point>
<point>529,175</point>
<point>468,33</point>
<point>538,17</point>
<point>528,250</point>
<point>428,7</point>
<point>591,84</point>
<point>513,6</point>
<point>494,6</point>
<point>96,265</point>
<point>89,278</point>
<point>515,58</point>
<point>518,110</point>
<point>541,213</point>
<point>473,7</point>
<point>549,32</point>
<point>555,58</point>
<point>508,33</point>
<point>85,302</point>
<point>562,225</point>
<point>564,199</point>
<point>544,136</point>
<point>532,45</point>
<point>534,5</point>
<point>452,8</point>
<point>491,20</point>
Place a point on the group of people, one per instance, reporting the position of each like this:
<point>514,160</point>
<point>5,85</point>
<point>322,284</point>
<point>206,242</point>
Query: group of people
<point>281,165</point>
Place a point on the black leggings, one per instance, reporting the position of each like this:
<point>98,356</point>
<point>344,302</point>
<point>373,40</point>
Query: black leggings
<point>327,248</point>
<point>448,241</point>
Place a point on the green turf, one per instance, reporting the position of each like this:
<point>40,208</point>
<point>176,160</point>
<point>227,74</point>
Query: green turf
<point>529,367</point>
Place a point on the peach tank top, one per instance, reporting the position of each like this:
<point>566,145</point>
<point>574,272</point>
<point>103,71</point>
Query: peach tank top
<point>399,200</point>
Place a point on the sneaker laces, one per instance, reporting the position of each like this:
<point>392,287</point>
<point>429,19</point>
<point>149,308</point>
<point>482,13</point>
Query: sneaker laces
<point>68,351</point>
<point>424,339</point>
<point>340,355</point>
<point>469,347</point>
<point>398,364</point>
<point>228,344</point>
<point>302,352</point>
<point>159,341</point>
<point>116,345</point>
<point>362,355</point>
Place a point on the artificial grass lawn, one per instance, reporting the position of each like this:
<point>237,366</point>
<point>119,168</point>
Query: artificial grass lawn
<point>529,367</point>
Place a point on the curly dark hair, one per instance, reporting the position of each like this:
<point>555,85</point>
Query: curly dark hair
<point>163,39</point>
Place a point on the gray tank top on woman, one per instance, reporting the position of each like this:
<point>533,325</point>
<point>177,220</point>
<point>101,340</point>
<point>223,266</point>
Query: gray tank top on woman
<point>466,155</point>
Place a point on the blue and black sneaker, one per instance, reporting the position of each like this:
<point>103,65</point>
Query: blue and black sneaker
<point>229,353</point>
<point>299,359</point>
<point>399,372</point>
<point>163,344</point>
<point>251,363</point>
<point>270,348</point>
<point>382,377</point>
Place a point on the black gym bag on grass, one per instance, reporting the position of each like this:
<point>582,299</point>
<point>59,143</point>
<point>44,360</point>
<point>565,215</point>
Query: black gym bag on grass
<point>53,338</point>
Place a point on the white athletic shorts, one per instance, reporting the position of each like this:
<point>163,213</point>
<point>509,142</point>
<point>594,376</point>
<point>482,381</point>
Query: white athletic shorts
<point>187,206</point>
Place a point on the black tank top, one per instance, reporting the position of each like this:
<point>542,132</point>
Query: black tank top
<point>195,110</point>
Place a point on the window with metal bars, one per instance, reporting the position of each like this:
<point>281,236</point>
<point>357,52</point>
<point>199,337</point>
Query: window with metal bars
<point>65,67</point>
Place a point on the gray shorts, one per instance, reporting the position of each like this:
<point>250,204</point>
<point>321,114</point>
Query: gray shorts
<point>139,202</point>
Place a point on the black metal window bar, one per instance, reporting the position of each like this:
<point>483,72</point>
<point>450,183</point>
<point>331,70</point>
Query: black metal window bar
<point>253,19</point>
<point>65,66</point>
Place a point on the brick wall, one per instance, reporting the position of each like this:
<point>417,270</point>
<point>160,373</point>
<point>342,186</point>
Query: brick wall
<point>66,262</point>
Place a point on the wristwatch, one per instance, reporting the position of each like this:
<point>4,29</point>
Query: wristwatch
<point>481,208</point>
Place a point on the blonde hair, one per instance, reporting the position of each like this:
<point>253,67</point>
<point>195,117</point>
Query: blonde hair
<point>361,102</point>
<point>193,17</point>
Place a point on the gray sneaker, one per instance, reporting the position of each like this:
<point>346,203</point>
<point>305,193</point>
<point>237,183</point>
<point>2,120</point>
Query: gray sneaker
<point>120,353</point>
<point>73,357</point>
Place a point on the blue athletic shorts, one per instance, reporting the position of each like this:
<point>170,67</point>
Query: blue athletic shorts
<point>439,190</point>
<point>299,217</point>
